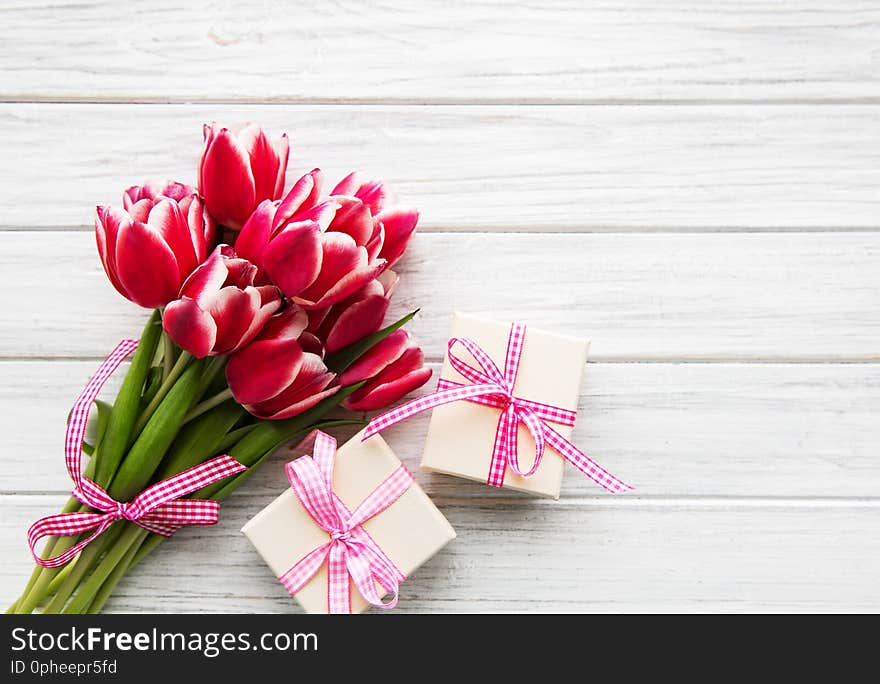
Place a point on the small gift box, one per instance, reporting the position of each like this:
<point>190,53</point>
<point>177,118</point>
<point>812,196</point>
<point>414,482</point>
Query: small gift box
<point>352,526</point>
<point>504,408</point>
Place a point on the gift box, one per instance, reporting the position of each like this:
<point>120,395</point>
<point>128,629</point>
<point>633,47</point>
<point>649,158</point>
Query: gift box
<point>461,434</point>
<point>409,531</point>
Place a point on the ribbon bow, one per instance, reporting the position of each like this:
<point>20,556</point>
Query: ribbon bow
<point>159,508</point>
<point>351,551</point>
<point>492,387</point>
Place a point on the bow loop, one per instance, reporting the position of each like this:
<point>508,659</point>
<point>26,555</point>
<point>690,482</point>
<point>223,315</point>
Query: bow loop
<point>157,509</point>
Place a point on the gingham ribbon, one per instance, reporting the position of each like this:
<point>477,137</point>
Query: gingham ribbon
<point>159,508</point>
<point>492,387</point>
<point>351,551</point>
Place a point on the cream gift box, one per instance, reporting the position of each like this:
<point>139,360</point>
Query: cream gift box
<point>409,531</point>
<point>461,434</point>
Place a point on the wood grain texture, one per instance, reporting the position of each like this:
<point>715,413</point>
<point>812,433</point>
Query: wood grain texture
<point>481,51</point>
<point>692,185</point>
<point>483,168</point>
<point>707,296</point>
<point>620,556</point>
<point>673,430</point>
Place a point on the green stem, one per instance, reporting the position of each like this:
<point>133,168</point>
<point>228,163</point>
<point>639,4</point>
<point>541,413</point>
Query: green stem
<point>167,384</point>
<point>167,356</point>
<point>87,558</point>
<point>87,590</point>
<point>112,580</point>
<point>212,370</point>
<point>208,404</point>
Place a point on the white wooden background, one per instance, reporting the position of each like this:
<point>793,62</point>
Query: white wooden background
<point>693,185</point>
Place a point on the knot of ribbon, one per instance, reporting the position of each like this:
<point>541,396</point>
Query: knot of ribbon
<point>350,552</point>
<point>491,386</point>
<point>160,508</point>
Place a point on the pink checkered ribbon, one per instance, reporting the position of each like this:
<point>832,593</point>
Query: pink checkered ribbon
<point>492,387</point>
<point>159,508</point>
<point>351,552</point>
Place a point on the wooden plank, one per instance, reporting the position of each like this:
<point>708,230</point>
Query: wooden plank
<point>707,296</point>
<point>538,557</point>
<point>673,430</point>
<point>440,51</point>
<point>483,168</point>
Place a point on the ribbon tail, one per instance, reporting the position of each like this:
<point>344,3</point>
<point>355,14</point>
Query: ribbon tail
<point>338,584</point>
<point>584,463</point>
<point>67,525</point>
<point>365,568</point>
<point>505,443</point>
<point>304,569</point>
<point>427,402</point>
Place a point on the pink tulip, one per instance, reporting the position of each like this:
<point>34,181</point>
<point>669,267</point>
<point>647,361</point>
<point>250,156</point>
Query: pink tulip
<point>219,309</point>
<point>149,248</point>
<point>395,223</point>
<point>240,168</point>
<point>187,198</point>
<point>354,318</point>
<point>393,367</point>
<point>275,376</point>
<point>295,244</point>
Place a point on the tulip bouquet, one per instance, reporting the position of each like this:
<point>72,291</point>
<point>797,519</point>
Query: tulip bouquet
<point>269,309</point>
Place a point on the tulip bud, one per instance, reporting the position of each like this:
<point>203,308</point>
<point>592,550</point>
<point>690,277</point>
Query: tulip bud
<point>274,377</point>
<point>393,367</point>
<point>219,309</point>
<point>240,168</point>
<point>149,248</point>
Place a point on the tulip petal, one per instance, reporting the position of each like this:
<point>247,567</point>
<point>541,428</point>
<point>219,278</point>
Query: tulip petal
<point>225,179</point>
<point>190,327</point>
<point>146,265</point>
<point>302,196</point>
<point>265,164</point>
<point>344,287</point>
<point>251,242</point>
<point>232,310</point>
<point>293,258</point>
<point>379,357</point>
<point>348,185</point>
<point>107,222</point>
<point>400,224</point>
<point>263,369</point>
<point>374,194</point>
<point>306,391</point>
<point>353,218</point>
<point>358,320</point>
<point>289,324</point>
<point>387,393</point>
<point>167,219</point>
<point>344,270</point>
<point>140,210</point>
<point>270,300</point>
<point>206,279</point>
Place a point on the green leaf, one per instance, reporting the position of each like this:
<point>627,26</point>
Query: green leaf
<point>154,382</point>
<point>143,458</point>
<point>200,439</point>
<point>233,483</point>
<point>104,410</point>
<point>268,435</point>
<point>125,408</point>
<point>342,359</point>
